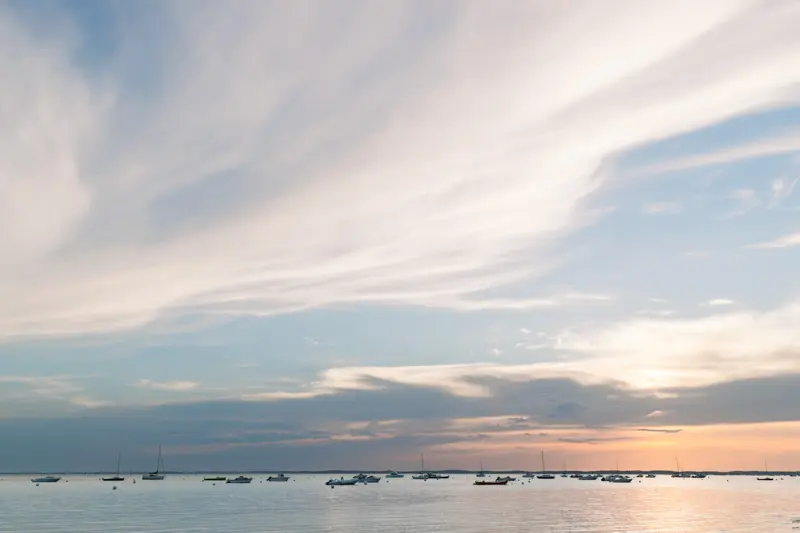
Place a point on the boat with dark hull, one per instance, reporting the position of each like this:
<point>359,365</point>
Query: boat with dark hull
<point>158,475</point>
<point>46,479</point>
<point>116,477</point>
<point>497,482</point>
<point>241,480</point>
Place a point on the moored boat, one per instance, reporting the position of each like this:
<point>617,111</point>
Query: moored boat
<point>215,478</point>
<point>394,475</point>
<point>46,479</point>
<point>278,478</point>
<point>116,477</point>
<point>158,475</point>
<point>333,482</point>
<point>544,474</point>
<point>498,481</point>
<point>239,480</point>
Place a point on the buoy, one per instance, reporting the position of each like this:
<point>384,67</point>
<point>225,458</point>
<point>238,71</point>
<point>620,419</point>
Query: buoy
<point>114,487</point>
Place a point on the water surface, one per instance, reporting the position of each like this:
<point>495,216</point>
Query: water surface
<point>305,504</point>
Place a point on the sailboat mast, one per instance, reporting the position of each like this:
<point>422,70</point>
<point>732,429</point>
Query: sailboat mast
<point>543,467</point>
<point>119,457</point>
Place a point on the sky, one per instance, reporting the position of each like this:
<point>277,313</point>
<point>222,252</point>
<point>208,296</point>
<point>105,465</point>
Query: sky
<point>316,235</point>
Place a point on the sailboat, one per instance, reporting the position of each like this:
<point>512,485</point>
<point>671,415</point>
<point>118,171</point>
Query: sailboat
<point>117,477</point>
<point>544,474</point>
<point>766,474</point>
<point>157,475</point>
<point>422,475</point>
<point>481,473</point>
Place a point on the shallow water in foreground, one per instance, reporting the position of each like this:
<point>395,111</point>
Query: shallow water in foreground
<point>304,504</point>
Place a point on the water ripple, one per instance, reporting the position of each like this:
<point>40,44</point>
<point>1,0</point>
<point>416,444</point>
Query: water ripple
<point>178,504</point>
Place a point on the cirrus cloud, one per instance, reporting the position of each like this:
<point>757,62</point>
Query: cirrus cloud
<point>398,167</point>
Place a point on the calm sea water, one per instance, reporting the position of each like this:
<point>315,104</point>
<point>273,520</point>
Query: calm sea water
<point>305,504</point>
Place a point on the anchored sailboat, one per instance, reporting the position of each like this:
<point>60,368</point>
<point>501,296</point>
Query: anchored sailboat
<point>481,473</point>
<point>766,477</point>
<point>117,477</point>
<point>158,474</point>
<point>544,474</point>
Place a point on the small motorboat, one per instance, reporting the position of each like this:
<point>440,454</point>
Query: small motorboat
<point>765,478</point>
<point>215,478</point>
<point>622,479</point>
<point>618,478</point>
<point>506,478</point>
<point>650,476</point>
<point>545,476</point>
<point>394,475</point>
<point>46,479</point>
<point>241,480</point>
<point>529,475</point>
<point>278,478</point>
<point>333,482</point>
<point>498,481</point>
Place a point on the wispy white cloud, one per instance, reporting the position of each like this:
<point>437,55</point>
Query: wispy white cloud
<point>656,312</point>
<point>177,386</point>
<point>781,189</point>
<point>718,302</point>
<point>659,352</point>
<point>662,208</point>
<point>642,353</point>
<point>51,386</point>
<point>456,379</point>
<point>245,186</point>
<point>88,403</point>
<point>746,200</point>
<point>785,143</point>
<point>785,241</point>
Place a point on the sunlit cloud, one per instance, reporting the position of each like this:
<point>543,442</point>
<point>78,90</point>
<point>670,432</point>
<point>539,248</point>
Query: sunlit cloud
<point>662,208</point>
<point>167,385</point>
<point>785,241</point>
<point>482,148</point>
<point>716,302</point>
<point>785,143</point>
<point>663,352</point>
<point>87,402</point>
